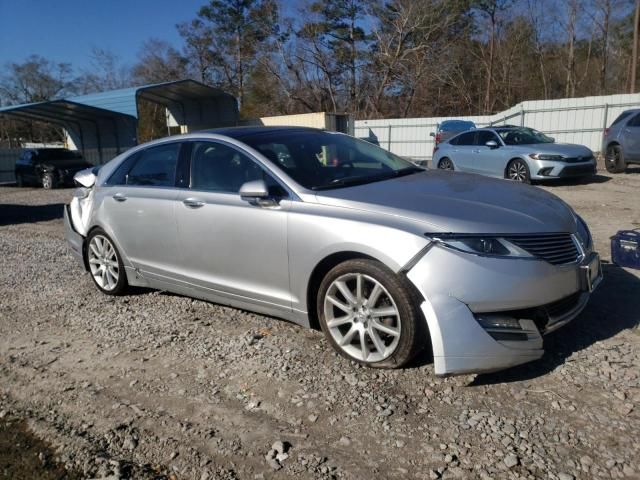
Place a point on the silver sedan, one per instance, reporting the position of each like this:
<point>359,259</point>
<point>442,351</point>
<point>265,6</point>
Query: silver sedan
<point>332,232</point>
<point>516,153</point>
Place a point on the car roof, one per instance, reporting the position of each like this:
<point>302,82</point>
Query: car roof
<point>241,132</point>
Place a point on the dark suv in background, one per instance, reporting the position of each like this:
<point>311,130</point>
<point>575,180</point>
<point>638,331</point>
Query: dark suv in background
<point>449,128</point>
<point>621,142</point>
<point>48,167</point>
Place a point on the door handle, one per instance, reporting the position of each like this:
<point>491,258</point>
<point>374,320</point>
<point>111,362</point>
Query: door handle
<point>476,151</point>
<point>193,203</point>
<point>119,197</point>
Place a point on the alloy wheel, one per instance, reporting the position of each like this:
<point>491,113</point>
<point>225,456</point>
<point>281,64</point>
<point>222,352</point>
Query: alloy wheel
<point>103,262</point>
<point>517,171</point>
<point>362,317</point>
<point>445,164</point>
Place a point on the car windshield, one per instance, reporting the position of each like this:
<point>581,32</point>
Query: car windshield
<point>456,126</point>
<point>523,136</point>
<point>320,160</point>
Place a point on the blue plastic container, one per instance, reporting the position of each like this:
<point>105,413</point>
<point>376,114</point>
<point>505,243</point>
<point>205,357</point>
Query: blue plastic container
<point>625,248</point>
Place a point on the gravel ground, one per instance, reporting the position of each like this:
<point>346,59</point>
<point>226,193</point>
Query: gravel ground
<point>154,385</point>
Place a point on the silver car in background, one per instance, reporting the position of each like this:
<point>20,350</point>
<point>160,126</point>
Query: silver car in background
<point>329,231</point>
<point>621,142</point>
<point>517,153</point>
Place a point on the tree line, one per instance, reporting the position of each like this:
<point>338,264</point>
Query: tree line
<point>370,58</point>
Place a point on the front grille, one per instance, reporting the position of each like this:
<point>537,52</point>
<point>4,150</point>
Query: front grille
<point>577,170</point>
<point>577,159</point>
<point>563,306</point>
<point>555,248</point>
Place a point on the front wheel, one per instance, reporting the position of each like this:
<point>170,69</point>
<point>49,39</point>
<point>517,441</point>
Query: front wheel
<point>105,263</point>
<point>518,171</point>
<point>370,315</point>
<point>614,159</point>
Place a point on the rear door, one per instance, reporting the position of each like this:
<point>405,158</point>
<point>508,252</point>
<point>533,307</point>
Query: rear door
<point>488,161</point>
<point>631,138</point>
<point>462,153</point>
<point>138,202</point>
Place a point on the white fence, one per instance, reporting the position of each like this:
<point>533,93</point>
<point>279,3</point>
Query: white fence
<point>569,120</point>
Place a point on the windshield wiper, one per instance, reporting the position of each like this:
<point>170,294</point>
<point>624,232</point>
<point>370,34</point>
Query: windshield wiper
<point>352,181</point>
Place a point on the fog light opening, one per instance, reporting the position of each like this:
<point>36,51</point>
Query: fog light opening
<point>502,327</point>
<point>545,172</point>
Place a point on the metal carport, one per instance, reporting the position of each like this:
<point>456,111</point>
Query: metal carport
<point>105,124</point>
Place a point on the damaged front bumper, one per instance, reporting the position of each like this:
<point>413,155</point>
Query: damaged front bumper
<point>486,313</point>
<point>74,239</point>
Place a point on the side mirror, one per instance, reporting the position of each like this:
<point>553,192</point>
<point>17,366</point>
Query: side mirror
<point>492,144</point>
<point>85,178</point>
<point>254,190</point>
<point>432,134</point>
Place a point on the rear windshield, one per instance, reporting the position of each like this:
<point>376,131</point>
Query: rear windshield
<point>621,117</point>
<point>456,126</point>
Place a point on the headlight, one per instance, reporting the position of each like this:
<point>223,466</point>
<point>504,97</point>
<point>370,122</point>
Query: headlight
<point>583,233</point>
<point>545,156</point>
<point>481,245</point>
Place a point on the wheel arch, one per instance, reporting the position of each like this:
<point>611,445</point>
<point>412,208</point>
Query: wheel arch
<point>318,273</point>
<point>510,161</point>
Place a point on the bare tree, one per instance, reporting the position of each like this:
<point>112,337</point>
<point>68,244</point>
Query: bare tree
<point>634,50</point>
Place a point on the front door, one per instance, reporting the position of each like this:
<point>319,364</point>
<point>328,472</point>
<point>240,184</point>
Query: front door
<point>228,246</point>
<point>487,160</point>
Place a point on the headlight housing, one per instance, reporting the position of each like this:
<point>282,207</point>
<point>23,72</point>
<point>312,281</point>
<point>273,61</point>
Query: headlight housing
<point>481,245</point>
<point>584,235</point>
<point>547,156</point>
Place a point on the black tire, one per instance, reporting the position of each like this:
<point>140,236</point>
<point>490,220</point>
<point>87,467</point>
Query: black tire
<point>518,171</point>
<point>445,164</point>
<point>121,285</point>
<point>413,335</point>
<point>614,159</point>
<point>19,180</point>
<point>48,181</point>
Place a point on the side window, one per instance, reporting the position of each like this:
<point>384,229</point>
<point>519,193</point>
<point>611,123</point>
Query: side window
<point>155,167</point>
<point>466,138</point>
<point>485,136</point>
<point>218,167</point>
<point>635,121</point>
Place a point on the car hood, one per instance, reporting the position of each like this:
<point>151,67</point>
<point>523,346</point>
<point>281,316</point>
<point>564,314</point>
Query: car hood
<point>566,149</point>
<point>459,203</point>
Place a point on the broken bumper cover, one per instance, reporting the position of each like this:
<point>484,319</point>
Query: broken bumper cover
<point>74,239</point>
<point>486,314</point>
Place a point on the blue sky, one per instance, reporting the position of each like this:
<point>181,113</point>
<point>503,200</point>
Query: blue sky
<point>66,30</point>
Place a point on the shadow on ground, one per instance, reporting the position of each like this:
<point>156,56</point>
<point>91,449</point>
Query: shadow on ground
<point>563,182</point>
<point>12,214</point>
<point>611,309</point>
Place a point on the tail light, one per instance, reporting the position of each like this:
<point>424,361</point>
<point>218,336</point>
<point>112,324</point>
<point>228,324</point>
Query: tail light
<point>606,132</point>
<point>438,137</point>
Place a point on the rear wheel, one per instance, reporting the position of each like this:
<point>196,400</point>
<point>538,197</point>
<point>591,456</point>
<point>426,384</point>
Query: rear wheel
<point>48,181</point>
<point>369,315</point>
<point>614,159</point>
<point>518,171</point>
<point>105,263</point>
<point>445,164</point>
